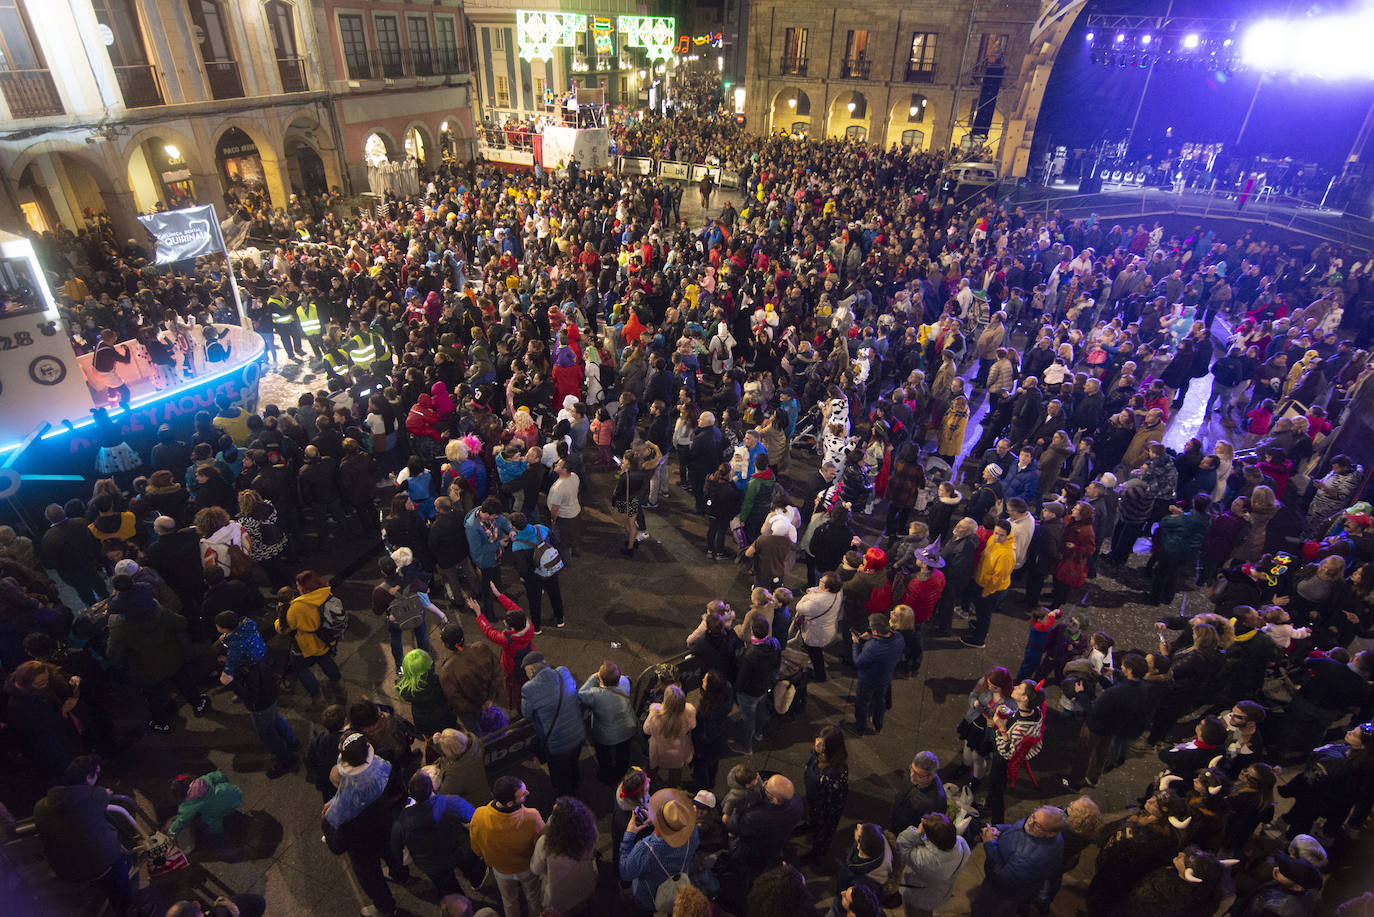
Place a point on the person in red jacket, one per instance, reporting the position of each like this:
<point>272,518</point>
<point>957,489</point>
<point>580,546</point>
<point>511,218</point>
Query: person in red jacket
<point>515,640</point>
<point>922,594</point>
<point>423,420</point>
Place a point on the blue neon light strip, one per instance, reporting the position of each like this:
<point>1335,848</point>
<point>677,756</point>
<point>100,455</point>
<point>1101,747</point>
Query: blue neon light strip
<point>155,398</point>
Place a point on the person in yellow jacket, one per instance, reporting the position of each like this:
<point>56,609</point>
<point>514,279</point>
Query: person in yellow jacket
<point>992,578</point>
<point>303,619</point>
<point>503,833</point>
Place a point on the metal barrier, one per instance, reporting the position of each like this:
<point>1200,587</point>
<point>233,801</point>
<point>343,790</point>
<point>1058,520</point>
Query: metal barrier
<point>1278,211</point>
<point>508,747</point>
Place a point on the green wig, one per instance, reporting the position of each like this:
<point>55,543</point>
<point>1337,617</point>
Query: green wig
<point>413,667</point>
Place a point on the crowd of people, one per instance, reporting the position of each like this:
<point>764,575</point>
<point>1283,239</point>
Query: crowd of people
<point>506,355</point>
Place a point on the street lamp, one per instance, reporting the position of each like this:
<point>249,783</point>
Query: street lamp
<point>851,106</point>
<point>792,102</point>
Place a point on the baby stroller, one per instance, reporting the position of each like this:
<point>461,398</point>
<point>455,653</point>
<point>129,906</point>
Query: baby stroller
<point>937,472</point>
<point>789,690</point>
<point>808,434</point>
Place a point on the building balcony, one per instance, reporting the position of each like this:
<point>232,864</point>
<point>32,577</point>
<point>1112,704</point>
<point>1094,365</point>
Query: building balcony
<point>30,93</point>
<point>792,66</point>
<point>223,76</point>
<point>404,62</point>
<point>139,86</point>
<point>398,64</point>
<point>854,68</point>
<point>920,73</point>
<point>292,70</point>
<point>452,60</point>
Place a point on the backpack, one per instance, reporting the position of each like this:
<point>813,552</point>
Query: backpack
<point>333,622</point>
<point>547,560</point>
<point>544,556</point>
<point>407,610</point>
<point>240,563</point>
<point>667,890</point>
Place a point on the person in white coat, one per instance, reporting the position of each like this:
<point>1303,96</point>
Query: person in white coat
<point>933,854</point>
<point>817,618</point>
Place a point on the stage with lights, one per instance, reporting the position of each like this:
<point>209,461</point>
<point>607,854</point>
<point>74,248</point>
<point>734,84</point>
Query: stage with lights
<point>50,396</point>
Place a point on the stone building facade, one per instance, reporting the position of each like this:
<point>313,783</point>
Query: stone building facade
<point>919,73</point>
<point>122,106</point>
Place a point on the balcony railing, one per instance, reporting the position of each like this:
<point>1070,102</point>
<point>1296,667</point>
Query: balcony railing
<point>30,93</point>
<point>854,68</point>
<point>452,60</point>
<point>292,70</point>
<point>409,62</point>
<point>792,66</point>
<point>223,76</point>
<point>139,86</point>
<point>920,73</point>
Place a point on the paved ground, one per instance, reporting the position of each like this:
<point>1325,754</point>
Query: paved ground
<point>632,612</point>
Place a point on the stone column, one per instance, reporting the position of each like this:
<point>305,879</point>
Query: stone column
<point>122,208</point>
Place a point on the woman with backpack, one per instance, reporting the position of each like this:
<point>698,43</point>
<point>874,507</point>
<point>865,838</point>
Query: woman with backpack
<point>538,563</point>
<point>403,599</point>
<point>317,630</point>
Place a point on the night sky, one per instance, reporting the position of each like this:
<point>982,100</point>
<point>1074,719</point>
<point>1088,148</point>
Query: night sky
<point>1304,118</point>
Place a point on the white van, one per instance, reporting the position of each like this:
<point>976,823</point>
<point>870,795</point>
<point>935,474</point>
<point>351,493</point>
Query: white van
<point>974,173</point>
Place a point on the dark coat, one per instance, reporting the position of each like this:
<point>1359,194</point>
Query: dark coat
<point>704,454</point>
<point>906,479</point>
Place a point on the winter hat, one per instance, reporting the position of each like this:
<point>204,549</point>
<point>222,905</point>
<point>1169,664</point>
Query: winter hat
<point>533,659</point>
<point>1299,872</point>
<point>126,567</point>
<point>451,742</point>
<point>875,559</point>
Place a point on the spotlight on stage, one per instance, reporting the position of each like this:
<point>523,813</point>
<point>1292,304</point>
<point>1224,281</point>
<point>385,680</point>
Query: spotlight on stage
<point>1332,47</point>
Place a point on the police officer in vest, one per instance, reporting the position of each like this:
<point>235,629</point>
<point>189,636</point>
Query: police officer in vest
<point>367,349</point>
<point>337,362</point>
<point>286,323</point>
<point>308,316</point>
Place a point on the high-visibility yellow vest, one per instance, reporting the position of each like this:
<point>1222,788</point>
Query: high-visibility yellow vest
<point>383,351</point>
<point>310,319</point>
<point>278,317</point>
<point>363,352</point>
<point>336,361</point>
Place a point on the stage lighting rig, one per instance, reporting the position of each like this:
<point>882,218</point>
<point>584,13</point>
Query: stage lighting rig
<point>1151,41</point>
